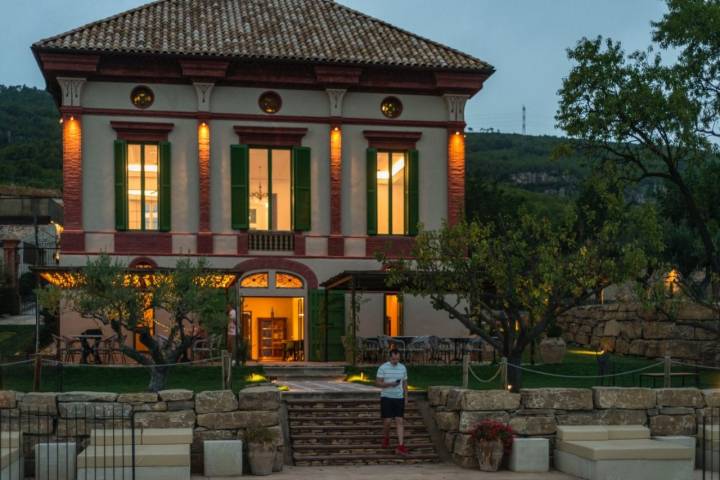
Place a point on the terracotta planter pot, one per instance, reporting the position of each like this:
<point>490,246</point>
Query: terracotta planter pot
<point>261,457</point>
<point>552,350</point>
<point>489,454</point>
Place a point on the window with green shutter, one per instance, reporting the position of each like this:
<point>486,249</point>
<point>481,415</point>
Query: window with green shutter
<point>142,186</point>
<point>392,192</point>
<point>239,157</point>
<point>301,188</point>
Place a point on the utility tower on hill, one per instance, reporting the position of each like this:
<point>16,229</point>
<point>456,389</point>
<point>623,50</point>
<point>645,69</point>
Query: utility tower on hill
<point>523,125</point>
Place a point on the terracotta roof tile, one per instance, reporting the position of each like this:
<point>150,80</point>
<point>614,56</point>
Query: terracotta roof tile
<point>319,31</point>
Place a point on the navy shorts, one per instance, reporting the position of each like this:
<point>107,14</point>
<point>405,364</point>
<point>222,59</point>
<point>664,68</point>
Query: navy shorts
<point>392,407</point>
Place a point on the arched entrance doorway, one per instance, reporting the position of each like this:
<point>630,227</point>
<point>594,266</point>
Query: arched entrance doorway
<point>272,314</point>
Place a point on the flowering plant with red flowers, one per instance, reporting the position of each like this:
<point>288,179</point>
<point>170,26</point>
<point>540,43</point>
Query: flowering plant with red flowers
<point>493,430</point>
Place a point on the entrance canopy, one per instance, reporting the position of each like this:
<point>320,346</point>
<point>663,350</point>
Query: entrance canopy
<point>363,280</point>
<point>70,277</point>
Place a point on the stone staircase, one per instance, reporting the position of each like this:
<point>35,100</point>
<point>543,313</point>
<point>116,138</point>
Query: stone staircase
<point>302,371</point>
<point>346,429</point>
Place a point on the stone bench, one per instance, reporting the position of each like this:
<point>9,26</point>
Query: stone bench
<point>531,455</point>
<point>55,461</point>
<point>152,462</point>
<point>223,458</point>
<point>11,463</point>
<point>620,453</point>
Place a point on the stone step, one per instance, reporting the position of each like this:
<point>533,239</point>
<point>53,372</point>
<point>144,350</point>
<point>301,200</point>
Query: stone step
<point>366,459</point>
<point>299,372</point>
<point>345,421</point>
<point>358,411</point>
<point>311,438</point>
<point>331,430</point>
<point>361,448</point>
<point>344,418</point>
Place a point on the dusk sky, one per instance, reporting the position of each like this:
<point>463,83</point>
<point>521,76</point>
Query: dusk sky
<point>524,39</point>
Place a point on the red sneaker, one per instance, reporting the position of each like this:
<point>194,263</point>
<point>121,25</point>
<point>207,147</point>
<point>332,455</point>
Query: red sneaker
<point>401,450</point>
<point>386,442</point>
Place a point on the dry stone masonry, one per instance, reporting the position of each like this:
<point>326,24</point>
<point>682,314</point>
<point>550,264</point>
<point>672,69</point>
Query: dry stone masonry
<point>628,328</point>
<point>537,412</point>
<point>214,415</point>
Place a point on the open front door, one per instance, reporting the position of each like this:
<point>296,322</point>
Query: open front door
<point>335,326</point>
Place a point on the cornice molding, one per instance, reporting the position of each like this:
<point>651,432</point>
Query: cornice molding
<point>392,139</point>
<point>142,131</point>
<point>270,136</point>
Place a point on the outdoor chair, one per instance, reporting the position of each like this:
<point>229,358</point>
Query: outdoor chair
<point>445,350</point>
<point>417,351</point>
<point>68,349</point>
<point>369,350</point>
<point>110,351</point>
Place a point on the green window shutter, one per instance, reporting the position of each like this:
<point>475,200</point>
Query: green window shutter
<point>239,159</point>
<point>412,208</point>
<point>301,187</point>
<point>165,202</point>
<point>371,180</point>
<point>121,200</point>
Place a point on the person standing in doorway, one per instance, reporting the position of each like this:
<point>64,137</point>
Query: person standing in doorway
<point>392,379</point>
<point>231,330</point>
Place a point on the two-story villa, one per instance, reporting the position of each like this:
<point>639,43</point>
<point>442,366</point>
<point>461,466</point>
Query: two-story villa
<point>289,140</point>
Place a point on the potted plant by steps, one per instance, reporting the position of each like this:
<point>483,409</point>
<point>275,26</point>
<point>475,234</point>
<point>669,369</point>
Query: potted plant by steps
<point>492,440</point>
<point>552,347</point>
<point>261,450</point>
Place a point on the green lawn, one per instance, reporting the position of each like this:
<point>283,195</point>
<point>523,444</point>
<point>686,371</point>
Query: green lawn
<point>16,340</point>
<point>120,379</point>
<point>576,363</point>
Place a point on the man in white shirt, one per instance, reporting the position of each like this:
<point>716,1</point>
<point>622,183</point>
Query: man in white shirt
<point>231,331</point>
<point>392,379</point>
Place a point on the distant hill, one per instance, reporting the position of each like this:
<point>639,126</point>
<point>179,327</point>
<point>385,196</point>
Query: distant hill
<point>30,149</point>
<point>518,165</point>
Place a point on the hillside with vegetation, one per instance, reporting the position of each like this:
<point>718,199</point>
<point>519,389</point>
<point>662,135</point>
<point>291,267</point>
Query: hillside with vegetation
<point>30,150</point>
<point>503,169</point>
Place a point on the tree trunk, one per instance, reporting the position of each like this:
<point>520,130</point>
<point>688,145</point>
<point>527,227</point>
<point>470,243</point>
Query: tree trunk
<point>158,377</point>
<point>514,374</point>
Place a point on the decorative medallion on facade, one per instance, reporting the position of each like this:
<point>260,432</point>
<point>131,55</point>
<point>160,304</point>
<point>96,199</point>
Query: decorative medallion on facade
<point>391,107</point>
<point>142,97</point>
<point>270,102</point>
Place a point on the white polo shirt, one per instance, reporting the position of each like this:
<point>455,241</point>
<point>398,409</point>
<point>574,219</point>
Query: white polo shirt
<point>390,373</point>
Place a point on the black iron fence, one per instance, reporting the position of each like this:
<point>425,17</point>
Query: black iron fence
<point>72,440</point>
<point>709,444</point>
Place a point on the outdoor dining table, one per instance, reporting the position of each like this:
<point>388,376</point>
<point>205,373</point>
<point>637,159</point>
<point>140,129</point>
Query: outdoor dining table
<point>87,348</point>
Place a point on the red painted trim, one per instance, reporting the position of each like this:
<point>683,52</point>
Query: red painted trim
<point>201,69</point>
<point>337,76</point>
<point>243,243</point>
<point>335,180</point>
<point>455,177</point>
<point>72,155</point>
<point>270,136</point>
<point>69,62</point>
<point>275,263</point>
<point>392,139</point>
<point>250,117</point>
<point>72,241</point>
<point>299,243</point>
<point>205,244</point>
<point>204,141</point>
<point>142,131</point>
<point>459,82</point>
<point>393,247</point>
<point>336,246</point>
<point>146,242</point>
<point>142,260</point>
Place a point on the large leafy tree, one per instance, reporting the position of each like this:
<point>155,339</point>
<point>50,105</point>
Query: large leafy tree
<point>508,280</point>
<point>110,294</point>
<point>654,119</point>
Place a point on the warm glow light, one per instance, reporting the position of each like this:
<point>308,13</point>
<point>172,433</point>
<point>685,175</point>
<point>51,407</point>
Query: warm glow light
<point>140,280</point>
<point>61,121</point>
<point>509,387</point>
<point>396,168</point>
<point>148,193</point>
<point>255,377</point>
<point>358,378</point>
<point>136,167</point>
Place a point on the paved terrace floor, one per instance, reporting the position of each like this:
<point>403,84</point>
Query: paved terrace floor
<point>325,386</point>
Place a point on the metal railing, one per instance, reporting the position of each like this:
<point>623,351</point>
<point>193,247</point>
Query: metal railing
<point>708,446</point>
<point>271,241</point>
<point>67,441</point>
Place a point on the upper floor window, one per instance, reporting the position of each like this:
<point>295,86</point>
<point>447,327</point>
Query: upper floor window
<point>392,192</point>
<point>270,189</point>
<point>143,169</point>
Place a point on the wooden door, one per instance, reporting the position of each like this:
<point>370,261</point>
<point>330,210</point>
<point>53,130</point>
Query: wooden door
<point>272,333</point>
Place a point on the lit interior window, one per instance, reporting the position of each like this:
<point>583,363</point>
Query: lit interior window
<point>287,280</point>
<point>391,193</point>
<point>143,170</point>
<point>393,315</point>
<point>256,280</point>
<point>270,189</point>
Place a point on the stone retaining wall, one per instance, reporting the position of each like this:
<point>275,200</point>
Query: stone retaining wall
<point>538,412</point>
<point>214,415</point>
<point>628,328</point>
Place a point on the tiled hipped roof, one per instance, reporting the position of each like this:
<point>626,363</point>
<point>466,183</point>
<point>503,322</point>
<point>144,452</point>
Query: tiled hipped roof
<point>319,31</point>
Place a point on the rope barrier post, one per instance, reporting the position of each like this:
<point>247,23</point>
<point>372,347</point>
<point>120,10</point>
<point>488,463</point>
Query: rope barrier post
<point>667,380</point>
<point>36,373</point>
<point>228,380</point>
<point>223,363</point>
<point>466,369</point>
<point>504,372</point>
